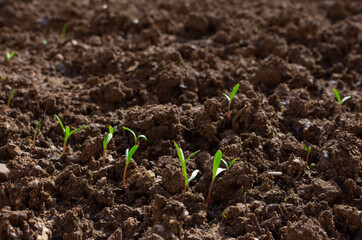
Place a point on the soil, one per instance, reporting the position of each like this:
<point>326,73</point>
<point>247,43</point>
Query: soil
<point>161,67</point>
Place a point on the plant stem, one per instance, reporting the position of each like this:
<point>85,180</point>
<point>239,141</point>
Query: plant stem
<point>34,143</point>
<point>209,194</point>
<point>104,157</point>
<point>307,158</point>
<point>181,182</point>
<point>64,147</point>
<point>124,177</point>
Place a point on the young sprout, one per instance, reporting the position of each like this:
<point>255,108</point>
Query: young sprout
<point>183,161</point>
<point>340,102</point>
<point>228,165</point>
<point>36,131</point>
<point>308,149</point>
<point>312,166</point>
<point>64,30</point>
<point>136,138</point>
<point>67,132</point>
<point>129,154</point>
<point>11,94</point>
<point>230,98</point>
<point>216,171</point>
<point>10,56</point>
<point>106,140</point>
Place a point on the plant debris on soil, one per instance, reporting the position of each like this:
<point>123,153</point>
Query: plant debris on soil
<point>160,68</point>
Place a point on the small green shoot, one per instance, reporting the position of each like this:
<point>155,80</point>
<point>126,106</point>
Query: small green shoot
<point>230,98</point>
<point>45,42</point>
<point>226,210</point>
<point>10,56</point>
<point>36,131</point>
<point>215,171</point>
<point>106,140</point>
<point>340,102</point>
<point>312,167</point>
<point>129,154</point>
<point>308,149</point>
<point>183,161</point>
<point>67,132</point>
<point>136,138</point>
<point>64,30</point>
<point>228,165</point>
<point>11,94</point>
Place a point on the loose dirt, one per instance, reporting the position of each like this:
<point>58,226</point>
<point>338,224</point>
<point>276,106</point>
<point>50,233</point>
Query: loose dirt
<point>160,68</point>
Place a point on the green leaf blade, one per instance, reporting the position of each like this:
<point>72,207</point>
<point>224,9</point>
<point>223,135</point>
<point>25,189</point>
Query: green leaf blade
<point>232,162</point>
<point>217,160</point>
<point>129,130</point>
<point>143,137</point>
<point>234,92</point>
<point>60,122</point>
<point>10,55</point>
<point>130,154</point>
<point>193,154</point>
<point>337,96</point>
<point>76,130</point>
<point>105,142</point>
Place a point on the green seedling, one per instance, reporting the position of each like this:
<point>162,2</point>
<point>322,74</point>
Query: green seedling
<point>230,98</point>
<point>215,171</point>
<point>36,131</point>
<point>64,30</point>
<point>136,138</point>
<point>67,132</point>
<point>106,140</point>
<point>308,149</point>
<point>228,165</point>
<point>312,167</point>
<point>45,42</point>
<point>11,94</point>
<point>10,56</point>
<point>183,161</point>
<point>129,154</point>
<point>340,102</point>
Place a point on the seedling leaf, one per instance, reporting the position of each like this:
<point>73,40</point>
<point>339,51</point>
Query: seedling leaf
<point>232,162</point>
<point>216,164</point>
<point>219,170</point>
<point>193,175</point>
<point>78,129</point>
<point>64,30</point>
<point>60,122</point>
<point>337,96</point>
<point>105,141</point>
<point>11,94</point>
<point>345,99</point>
<point>226,164</point>
<point>10,55</point>
<point>227,97</point>
<point>307,148</point>
<point>129,153</point>
<point>193,154</point>
<point>234,92</point>
<point>142,136</point>
<point>180,153</point>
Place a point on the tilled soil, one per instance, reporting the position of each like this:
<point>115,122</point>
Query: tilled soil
<point>160,67</point>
